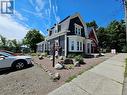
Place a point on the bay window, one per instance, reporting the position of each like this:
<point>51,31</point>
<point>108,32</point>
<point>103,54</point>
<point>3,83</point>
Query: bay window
<point>72,45</point>
<point>77,45</point>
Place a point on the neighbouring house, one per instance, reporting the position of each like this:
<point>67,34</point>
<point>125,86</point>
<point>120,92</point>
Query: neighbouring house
<point>71,35</point>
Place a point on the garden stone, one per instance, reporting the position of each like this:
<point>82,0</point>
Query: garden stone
<point>51,58</point>
<point>61,57</point>
<point>57,76</point>
<point>68,61</point>
<point>58,66</point>
<point>40,57</point>
<point>77,64</point>
<point>50,74</point>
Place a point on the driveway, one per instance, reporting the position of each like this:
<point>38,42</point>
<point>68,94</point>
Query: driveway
<point>30,81</point>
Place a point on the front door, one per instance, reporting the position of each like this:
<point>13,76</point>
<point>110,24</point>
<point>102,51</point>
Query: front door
<point>88,48</point>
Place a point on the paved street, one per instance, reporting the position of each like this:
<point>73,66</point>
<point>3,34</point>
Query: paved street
<point>104,79</point>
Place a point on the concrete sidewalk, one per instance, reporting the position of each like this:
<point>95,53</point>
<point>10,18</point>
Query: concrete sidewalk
<point>104,79</point>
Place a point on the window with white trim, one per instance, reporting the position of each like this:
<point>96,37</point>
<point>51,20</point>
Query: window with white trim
<point>78,29</point>
<point>80,45</point>
<point>48,46</point>
<point>72,45</point>
<point>77,45</point>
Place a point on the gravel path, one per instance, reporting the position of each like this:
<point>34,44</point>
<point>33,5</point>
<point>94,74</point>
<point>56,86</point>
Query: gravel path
<point>30,81</point>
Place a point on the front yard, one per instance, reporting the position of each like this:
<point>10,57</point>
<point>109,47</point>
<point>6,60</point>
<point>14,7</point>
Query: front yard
<point>36,81</point>
<point>68,74</point>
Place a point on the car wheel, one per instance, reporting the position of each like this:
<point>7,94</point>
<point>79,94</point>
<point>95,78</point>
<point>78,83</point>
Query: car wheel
<point>19,65</point>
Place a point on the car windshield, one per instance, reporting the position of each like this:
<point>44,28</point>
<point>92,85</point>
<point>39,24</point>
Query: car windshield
<point>5,54</point>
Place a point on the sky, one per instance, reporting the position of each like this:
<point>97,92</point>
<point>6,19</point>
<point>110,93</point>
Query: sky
<point>43,14</point>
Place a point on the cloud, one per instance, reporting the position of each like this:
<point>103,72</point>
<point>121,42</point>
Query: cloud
<point>47,10</point>
<point>31,2</point>
<point>12,29</point>
<point>40,4</point>
<point>55,9</point>
<point>19,16</point>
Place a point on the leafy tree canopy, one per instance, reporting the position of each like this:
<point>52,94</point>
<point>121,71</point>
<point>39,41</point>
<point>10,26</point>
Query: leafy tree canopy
<point>92,24</point>
<point>32,38</point>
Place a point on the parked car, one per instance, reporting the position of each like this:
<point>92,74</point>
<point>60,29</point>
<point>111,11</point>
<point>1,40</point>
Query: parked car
<point>8,52</point>
<point>15,62</point>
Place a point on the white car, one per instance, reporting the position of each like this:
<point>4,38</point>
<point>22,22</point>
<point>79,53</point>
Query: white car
<point>15,62</point>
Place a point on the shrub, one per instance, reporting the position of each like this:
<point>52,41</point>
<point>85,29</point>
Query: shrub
<point>79,58</point>
<point>33,54</point>
<point>71,55</point>
<point>44,54</point>
<point>124,49</point>
<point>70,66</point>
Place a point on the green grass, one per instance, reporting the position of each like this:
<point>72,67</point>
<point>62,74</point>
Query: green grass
<point>74,76</point>
<point>125,74</point>
<point>70,78</point>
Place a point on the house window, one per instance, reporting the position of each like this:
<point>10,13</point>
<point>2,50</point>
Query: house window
<point>72,45</point>
<point>59,28</point>
<point>48,46</point>
<point>80,45</point>
<point>50,32</point>
<point>77,45</point>
<point>78,29</point>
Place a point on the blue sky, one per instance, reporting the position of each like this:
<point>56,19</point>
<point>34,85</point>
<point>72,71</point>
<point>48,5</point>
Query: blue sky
<point>42,14</point>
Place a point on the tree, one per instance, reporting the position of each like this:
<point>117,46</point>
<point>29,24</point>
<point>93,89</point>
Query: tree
<point>32,38</point>
<point>16,45</point>
<point>103,37</point>
<point>92,24</point>
<point>10,45</point>
<point>3,43</point>
<point>117,34</point>
<point>113,36</point>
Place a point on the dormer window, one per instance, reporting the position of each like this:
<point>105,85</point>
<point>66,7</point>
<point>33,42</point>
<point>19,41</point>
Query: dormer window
<point>78,29</point>
<point>49,32</point>
<point>59,28</point>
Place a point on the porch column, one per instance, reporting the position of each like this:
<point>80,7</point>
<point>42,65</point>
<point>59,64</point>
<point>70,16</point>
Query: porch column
<point>44,47</point>
<point>65,47</point>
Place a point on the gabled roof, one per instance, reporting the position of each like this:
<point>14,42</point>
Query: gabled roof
<point>70,17</point>
<point>91,30</point>
<point>60,22</point>
<point>64,19</point>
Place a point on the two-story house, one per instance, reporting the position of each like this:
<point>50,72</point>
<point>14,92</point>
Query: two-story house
<point>70,36</point>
